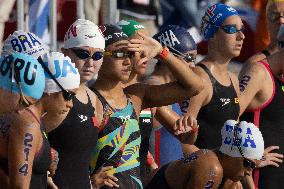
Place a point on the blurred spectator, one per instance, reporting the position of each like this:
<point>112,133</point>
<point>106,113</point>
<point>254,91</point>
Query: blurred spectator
<point>185,13</point>
<point>92,9</point>
<point>143,11</point>
<point>261,35</point>
<point>5,9</point>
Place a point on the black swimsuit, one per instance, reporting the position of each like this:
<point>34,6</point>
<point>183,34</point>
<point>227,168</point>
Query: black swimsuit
<point>74,140</point>
<point>224,105</point>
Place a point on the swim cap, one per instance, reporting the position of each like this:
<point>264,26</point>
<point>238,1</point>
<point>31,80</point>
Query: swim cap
<point>176,38</point>
<point>112,34</point>
<point>24,42</point>
<point>25,70</point>
<point>246,135</point>
<point>130,26</point>
<point>63,70</point>
<point>214,18</point>
<point>84,33</point>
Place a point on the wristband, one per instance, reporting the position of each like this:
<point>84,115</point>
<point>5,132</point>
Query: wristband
<point>164,53</point>
<point>194,130</point>
<point>150,159</point>
<point>52,154</point>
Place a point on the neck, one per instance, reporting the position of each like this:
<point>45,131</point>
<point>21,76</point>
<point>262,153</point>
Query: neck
<point>133,78</point>
<point>37,109</point>
<point>164,74</point>
<point>218,58</point>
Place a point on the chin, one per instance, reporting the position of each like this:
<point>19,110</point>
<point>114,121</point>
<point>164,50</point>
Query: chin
<point>141,72</point>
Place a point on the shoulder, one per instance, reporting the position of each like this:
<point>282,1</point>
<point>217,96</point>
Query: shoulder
<point>203,75</point>
<point>255,58</point>
<point>209,160</point>
<point>23,124</point>
<point>255,69</point>
<point>92,96</point>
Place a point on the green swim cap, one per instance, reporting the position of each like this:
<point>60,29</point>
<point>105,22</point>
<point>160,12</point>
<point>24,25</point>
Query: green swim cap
<point>130,26</point>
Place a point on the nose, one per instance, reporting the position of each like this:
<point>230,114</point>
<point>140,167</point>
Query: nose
<point>241,36</point>
<point>127,61</point>
<point>90,62</point>
<point>69,104</point>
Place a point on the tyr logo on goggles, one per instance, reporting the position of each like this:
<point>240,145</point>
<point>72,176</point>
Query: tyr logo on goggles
<point>84,54</point>
<point>119,54</point>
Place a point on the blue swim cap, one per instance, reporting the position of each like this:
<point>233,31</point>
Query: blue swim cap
<point>25,70</point>
<point>214,18</point>
<point>176,38</point>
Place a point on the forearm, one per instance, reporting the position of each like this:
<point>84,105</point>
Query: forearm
<point>167,117</point>
<point>183,74</point>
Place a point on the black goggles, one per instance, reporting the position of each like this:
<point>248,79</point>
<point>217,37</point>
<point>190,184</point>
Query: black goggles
<point>186,57</point>
<point>84,54</point>
<point>119,54</point>
<point>246,162</point>
<point>231,29</point>
<point>67,95</point>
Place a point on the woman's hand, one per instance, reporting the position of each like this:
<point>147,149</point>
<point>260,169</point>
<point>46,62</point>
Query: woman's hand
<point>54,162</point>
<point>270,158</point>
<point>147,46</point>
<point>186,129</point>
<point>103,177</point>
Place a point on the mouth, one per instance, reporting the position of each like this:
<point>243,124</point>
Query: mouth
<point>88,72</point>
<point>239,46</point>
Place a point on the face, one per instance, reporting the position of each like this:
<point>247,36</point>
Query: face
<point>275,17</point>
<point>57,103</point>
<point>229,37</point>
<point>117,65</point>
<point>238,168</point>
<point>87,60</point>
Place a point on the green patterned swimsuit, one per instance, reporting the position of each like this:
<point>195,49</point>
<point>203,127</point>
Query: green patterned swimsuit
<point>118,145</point>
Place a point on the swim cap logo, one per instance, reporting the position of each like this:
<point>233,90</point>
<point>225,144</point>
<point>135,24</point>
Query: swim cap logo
<point>66,69</point>
<point>28,78</point>
<point>168,38</point>
<point>210,10</point>
<point>23,42</point>
<point>231,9</point>
<point>72,30</point>
<point>138,26</point>
<point>248,141</point>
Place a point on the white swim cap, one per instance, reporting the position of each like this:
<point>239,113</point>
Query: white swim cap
<point>84,33</point>
<point>246,135</point>
<point>63,70</point>
<point>24,42</point>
